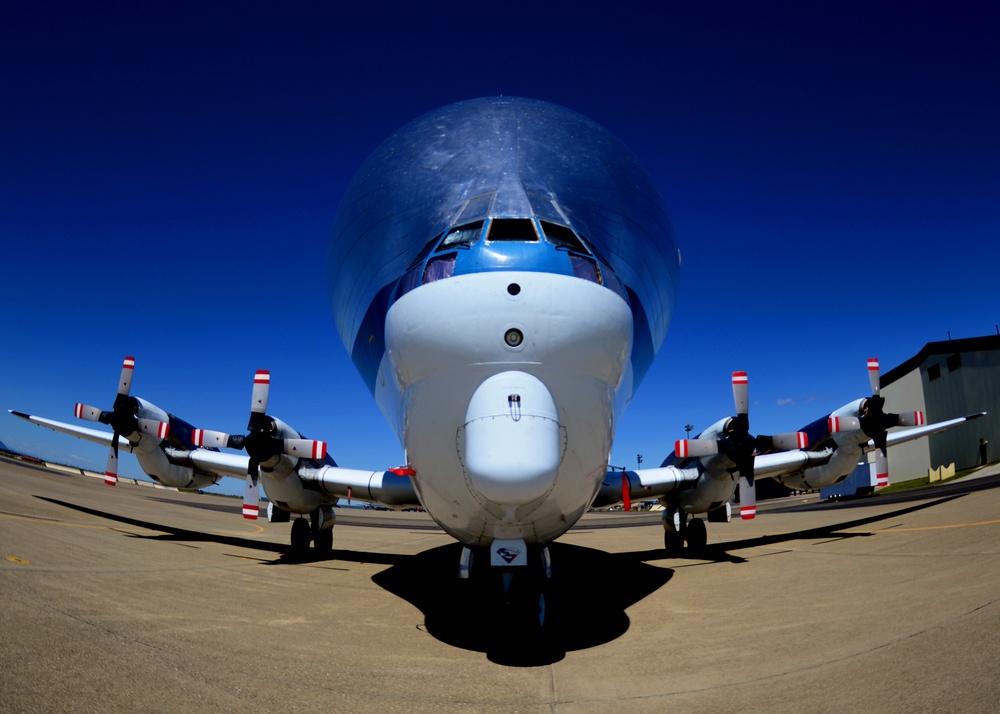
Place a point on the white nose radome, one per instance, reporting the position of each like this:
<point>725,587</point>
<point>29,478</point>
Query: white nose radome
<point>511,443</point>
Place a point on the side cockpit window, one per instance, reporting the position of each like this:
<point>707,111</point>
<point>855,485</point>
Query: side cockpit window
<point>425,251</point>
<point>562,237</point>
<point>461,237</point>
<point>512,229</point>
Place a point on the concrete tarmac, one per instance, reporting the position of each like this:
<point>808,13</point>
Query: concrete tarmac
<point>140,599</point>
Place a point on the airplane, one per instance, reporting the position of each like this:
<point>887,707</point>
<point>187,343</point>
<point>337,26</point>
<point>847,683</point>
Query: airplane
<point>726,456</point>
<point>502,272</point>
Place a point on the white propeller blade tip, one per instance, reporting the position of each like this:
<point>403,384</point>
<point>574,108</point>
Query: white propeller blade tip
<point>82,411</point>
<point>261,387</point>
<point>206,438</point>
<point>152,427</point>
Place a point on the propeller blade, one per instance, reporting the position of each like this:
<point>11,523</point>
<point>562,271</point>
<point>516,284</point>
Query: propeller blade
<point>741,392</point>
<point>125,383</point>
<point>261,387</point>
<point>912,419</point>
<point>748,499</point>
<point>209,439</point>
<point>152,427</point>
<point>874,375</point>
<point>744,466</point>
<point>881,468</point>
<point>791,440</point>
<point>836,425</point>
<point>305,448</point>
<point>111,470</point>
<point>82,411</point>
<point>686,448</point>
<point>251,498</point>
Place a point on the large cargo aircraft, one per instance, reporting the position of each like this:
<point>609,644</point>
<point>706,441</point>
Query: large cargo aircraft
<point>502,272</point>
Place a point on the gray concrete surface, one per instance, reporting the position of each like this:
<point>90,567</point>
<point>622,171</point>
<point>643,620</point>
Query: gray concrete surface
<point>138,599</point>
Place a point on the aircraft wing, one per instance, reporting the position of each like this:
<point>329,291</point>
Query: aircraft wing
<point>645,484</point>
<point>785,462</point>
<point>388,488</point>
<point>213,462</point>
<point>642,484</point>
<point>383,487</point>
<point>904,435</point>
<point>81,432</point>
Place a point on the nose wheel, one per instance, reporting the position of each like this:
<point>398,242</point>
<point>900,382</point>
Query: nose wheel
<point>525,594</point>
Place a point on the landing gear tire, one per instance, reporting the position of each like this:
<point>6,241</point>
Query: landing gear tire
<point>673,543</point>
<point>324,541</point>
<point>301,536</point>
<point>529,604</point>
<point>697,534</point>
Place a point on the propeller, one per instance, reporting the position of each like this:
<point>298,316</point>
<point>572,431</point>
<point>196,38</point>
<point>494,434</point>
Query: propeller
<point>261,443</point>
<point>740,445</point>
<point>748,500</point>
<point>737,443</point>
<point>874,422</point>
<point>123,419</point>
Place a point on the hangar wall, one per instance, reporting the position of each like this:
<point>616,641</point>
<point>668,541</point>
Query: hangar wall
<point>951,379</point>
<point>910,460</point>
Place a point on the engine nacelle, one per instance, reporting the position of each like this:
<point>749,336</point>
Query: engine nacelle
<point>713,463</point>
<point>148,450</point>
<point>158,467</point>
<point>841,465</point>
<point>717,485</point>
<point>280,476</point>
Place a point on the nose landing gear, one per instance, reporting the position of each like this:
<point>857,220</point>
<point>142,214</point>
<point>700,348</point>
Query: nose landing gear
<point>521,597</point>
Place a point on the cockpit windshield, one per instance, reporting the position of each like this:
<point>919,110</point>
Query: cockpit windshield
<point>461,236</point>
<point>512,229</point>
<point>562,237</point>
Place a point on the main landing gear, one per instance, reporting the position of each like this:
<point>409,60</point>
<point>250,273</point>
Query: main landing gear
<point>318,530</point>
<point>678,529</point>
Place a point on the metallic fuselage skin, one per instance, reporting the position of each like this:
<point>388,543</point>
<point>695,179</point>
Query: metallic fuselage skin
<point>426,338</point>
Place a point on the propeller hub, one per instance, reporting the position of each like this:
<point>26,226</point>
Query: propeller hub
<point>874,421</point>
<point>123,417</point>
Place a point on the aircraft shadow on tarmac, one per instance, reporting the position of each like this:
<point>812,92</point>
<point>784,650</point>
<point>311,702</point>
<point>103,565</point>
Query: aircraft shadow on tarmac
<point>586,601</point>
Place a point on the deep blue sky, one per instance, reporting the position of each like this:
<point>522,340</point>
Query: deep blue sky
<point>169,176</point>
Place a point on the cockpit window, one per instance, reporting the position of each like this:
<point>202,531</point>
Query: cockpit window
<point>562,237</point>
<point>586,269</point>
<point>476,207</point>
<point>439,268</point>
<point>425,251</point>
<point>461,237</point>
<point>512,229</point>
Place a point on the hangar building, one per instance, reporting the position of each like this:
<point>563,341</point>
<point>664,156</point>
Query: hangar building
<point>947,380</point>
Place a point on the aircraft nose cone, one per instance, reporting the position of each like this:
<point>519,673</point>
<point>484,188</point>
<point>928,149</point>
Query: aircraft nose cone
<point>511,443</point>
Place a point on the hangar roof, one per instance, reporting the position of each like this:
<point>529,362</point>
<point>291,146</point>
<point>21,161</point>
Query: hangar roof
<point>949,347</point>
